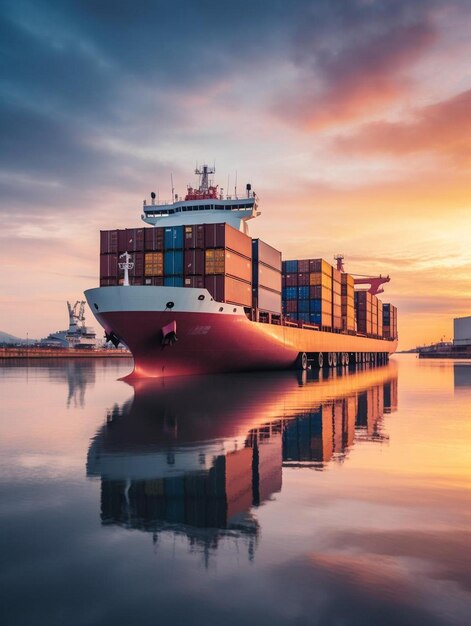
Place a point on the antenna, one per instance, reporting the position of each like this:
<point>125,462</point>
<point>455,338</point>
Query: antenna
<point>235,186</point>
<point>228,187</point>
<point>173,190</point>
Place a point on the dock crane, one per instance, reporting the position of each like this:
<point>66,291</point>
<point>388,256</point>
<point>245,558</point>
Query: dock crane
<point>375,282</point>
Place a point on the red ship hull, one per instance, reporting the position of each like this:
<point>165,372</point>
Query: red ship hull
<point>206,337</point>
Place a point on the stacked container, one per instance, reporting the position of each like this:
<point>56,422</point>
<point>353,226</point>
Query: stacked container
<point>266,277</point>
<point>215,256</point>
<point>389,321</point>
<point>364,313</point>
<point>336,300</point>
<point>307,291</point>
<point>348,303</point>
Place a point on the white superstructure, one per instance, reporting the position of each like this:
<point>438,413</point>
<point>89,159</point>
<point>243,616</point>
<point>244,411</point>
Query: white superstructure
<point>205,205</point>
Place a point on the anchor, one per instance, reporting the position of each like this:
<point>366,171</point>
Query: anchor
<point>169,334</point>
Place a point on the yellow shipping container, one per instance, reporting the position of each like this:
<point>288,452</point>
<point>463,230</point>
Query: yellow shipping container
<point>154,264</point>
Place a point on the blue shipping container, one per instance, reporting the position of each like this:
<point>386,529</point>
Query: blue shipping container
<point>303,317</point>
<point>173,281</point>
<point>173,237</point>
<point>316,305</point>
<point>290,293</point>
<point>315,318</point>
<point>290,267</point>
<point>303,306</point>
<point>173,262</point>
<point>303,292</point>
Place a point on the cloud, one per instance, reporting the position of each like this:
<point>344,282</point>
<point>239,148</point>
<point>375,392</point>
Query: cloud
<point>442,128</point>
<point>353,59</point>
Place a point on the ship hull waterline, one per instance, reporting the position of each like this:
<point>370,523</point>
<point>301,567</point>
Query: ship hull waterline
<point>210,337</point>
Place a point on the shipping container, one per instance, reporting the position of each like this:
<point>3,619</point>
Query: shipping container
<point>263,253</point>
<point>303,266</point>
<point>194,262</point>
<point>290,280</point>
<point>108,265</point>
<point>228,289</point>
<point>266,300</point>
<point>265,276</point>
<point>290,267</point>
<point>194,236</point>
<point>194,281</point>
<point>154,264</point>
<point>320,266</point>
<point>155,281</point>
<point>225,236</point>
<point>154,239</point>
<point>108,282</point>
<point>131,240</point>
<point>173,237</point>
<point>290,293</point>
<point>318,278</point>
<point>173,281</point>
<point>221,261</point>
<point>303,278</point>
<point>173,262</point>
<point>303,293</point>
<point>108,241</point>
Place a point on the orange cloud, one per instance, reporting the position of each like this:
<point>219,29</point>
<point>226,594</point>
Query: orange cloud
<point>444,128</point>
<point>358,80</point>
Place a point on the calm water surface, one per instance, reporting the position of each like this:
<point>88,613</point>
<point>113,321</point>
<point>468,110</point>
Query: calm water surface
<point>243,499</point>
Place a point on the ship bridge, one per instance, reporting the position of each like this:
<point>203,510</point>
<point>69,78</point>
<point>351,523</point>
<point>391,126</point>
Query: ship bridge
<point>204,205</point>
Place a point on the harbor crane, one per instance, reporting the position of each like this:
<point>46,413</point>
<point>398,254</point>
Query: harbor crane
<point>375,282</point>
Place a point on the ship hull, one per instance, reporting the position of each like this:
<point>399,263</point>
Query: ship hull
<point>197,335</point>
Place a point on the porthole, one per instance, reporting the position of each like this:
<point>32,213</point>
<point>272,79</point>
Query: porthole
<point>170,305</point>
<point>201,297</point>
<point>96,306</point>
<point>221,308</point>
<point>235,310</point>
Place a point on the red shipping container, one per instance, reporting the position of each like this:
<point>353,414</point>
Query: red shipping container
<point>194,281</point>
<point>108,241</point>
<point>108,282</point>
<point>291,306</point>
<point>154,239</point>
<point>303,266</point>
<point>225,236</point>
<point>108,265</point>
<point>194,236</point>
<point>303,279</point>
<point>291,280</point>
<point>138,270</point>
<point>194,262</point>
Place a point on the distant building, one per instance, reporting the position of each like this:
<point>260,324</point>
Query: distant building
<point>462,331</point>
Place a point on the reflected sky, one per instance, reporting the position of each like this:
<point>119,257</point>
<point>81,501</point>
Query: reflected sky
<point>262,498</point>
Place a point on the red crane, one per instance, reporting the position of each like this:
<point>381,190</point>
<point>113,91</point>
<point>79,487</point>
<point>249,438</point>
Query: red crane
<point>375,282</point>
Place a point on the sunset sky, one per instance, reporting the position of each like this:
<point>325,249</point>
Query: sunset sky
<point>351,119</point>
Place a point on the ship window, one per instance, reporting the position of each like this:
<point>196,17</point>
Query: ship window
<point>221,309</point>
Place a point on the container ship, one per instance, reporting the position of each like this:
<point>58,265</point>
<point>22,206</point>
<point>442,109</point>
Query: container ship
<point>193,293</point>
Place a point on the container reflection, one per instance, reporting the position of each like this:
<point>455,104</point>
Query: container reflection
<point>198,456</point>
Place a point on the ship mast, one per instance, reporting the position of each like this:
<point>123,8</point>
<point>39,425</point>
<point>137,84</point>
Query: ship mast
<point>126,266</point>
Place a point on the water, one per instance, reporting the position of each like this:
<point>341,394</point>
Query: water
<point>243,499</point>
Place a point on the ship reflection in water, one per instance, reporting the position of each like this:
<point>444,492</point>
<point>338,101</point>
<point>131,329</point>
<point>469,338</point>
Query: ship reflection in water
<point>196,457</point>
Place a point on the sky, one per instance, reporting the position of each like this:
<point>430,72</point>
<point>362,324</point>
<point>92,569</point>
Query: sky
<point>351,119</point>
